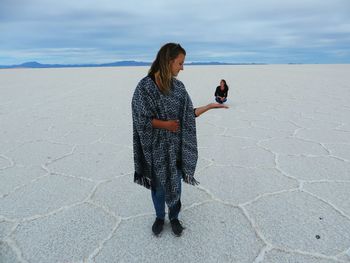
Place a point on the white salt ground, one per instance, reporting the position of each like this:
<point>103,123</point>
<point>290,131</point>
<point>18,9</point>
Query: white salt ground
<point>274,168</point>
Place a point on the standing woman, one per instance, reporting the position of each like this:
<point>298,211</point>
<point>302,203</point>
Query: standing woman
<point>164,134</point>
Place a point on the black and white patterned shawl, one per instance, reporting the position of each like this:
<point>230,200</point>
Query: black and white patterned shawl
<point>159,153</point>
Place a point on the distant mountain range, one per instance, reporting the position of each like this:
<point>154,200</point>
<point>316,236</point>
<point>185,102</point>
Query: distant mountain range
<point>128,63</point>
<point>34,64</point>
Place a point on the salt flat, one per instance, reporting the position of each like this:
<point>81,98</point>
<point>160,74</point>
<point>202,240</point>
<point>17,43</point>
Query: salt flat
<point>274,168</point>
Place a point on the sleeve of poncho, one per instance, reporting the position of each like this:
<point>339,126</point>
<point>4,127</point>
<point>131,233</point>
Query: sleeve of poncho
<point>189,142</point>
<point>142,115</point>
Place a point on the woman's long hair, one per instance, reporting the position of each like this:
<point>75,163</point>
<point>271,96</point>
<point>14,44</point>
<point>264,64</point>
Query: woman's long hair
<point>161,64</point>
<point>225,85</point>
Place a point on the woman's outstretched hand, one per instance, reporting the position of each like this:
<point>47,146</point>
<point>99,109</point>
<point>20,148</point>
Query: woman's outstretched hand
<point>217,106</point>
<point>201,110</point>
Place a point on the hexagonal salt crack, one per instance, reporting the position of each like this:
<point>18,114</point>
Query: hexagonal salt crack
<point>310,123</point>
<point>44,195</point>
<point>240,185</point>
<point>336,193</point>
<point>325,136</point>
<point>52,124</point>
<point>345,256</point>
<point>96,161</point>
<point>214,233</point>
<point>119,136</point>
<point>202,164</point>
<point>83,133</point>
<point>246,157</point>
<point>5,229</point>
<point>278,256</point>
<point>125,198</point>
<point>293,146</point>
<point>344,127</point>
<point>258,133</point>
<point>15,177</point>
<point>339,150</point>
<point>4,162</point>
<point>207,129</point>
<point>218,144</point>
<point>299,221</point>
<point>314,168</point>
<point>275,125</point>
<point>38,153</point>
<point>7,255</point>
<point>67,236</point>
<point>191,195</point>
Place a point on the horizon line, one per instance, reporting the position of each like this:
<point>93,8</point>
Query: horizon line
<point>121,63</point>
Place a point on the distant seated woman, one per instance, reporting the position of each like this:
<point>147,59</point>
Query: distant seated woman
<point>221,92</point>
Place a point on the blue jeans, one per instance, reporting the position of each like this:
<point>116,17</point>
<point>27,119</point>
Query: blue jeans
<point>158,197</point>
<point>219,100</point>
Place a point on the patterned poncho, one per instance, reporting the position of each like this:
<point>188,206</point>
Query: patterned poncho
<point>159,153</point>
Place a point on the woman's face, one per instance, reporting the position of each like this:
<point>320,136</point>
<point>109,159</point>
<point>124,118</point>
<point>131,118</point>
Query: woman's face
<point>222,84</point>
<point>177,64</point>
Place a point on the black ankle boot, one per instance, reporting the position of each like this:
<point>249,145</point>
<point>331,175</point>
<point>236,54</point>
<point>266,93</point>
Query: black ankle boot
<point>176,227</point>
<point>157,227</point>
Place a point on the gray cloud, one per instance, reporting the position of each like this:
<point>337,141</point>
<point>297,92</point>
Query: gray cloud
<point>107,30</point>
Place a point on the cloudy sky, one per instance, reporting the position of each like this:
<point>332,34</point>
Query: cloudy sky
<point>238,31</point>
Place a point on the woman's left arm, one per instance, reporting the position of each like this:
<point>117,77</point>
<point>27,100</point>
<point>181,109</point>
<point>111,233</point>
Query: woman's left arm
<point>200,110</point>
